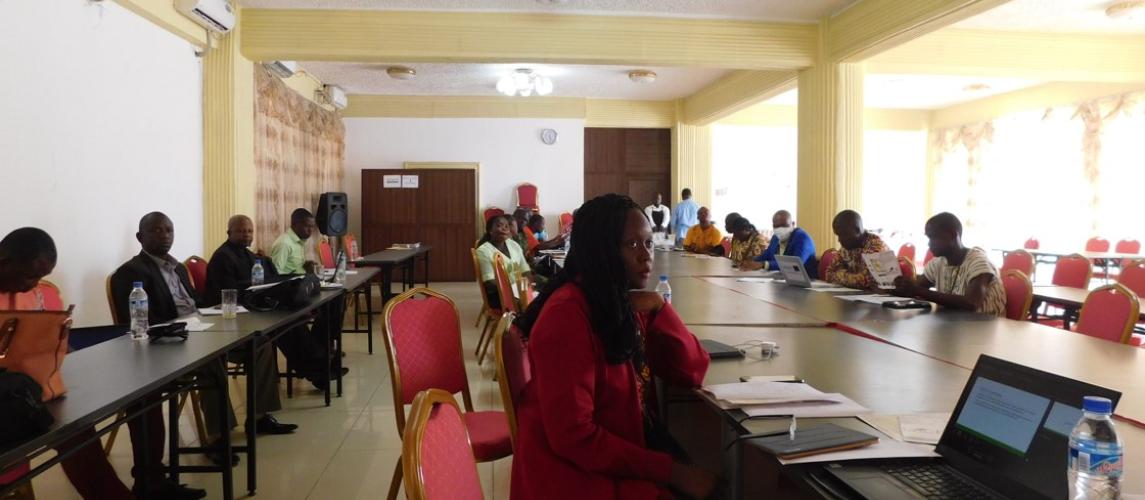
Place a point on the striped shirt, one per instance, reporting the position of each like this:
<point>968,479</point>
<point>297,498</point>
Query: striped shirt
<point>953,279</point>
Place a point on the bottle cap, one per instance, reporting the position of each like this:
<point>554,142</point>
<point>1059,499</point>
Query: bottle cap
<point>258,261</point>
<point>1096,404</point>
<point>663,277</point>
<point>137,284</point>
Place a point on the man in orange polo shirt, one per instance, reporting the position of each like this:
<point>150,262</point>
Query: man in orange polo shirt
<point>704,237</point>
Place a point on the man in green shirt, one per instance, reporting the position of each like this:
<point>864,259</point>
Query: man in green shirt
<point>288,252</point>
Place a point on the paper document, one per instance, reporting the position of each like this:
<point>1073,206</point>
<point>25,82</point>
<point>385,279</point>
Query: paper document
<point>885,448</point>
<point>755,280</point>
<point>194,325</point>
<point>925,428</point>
<point>838,405</point>
<point>268,285</point>
<point>332,286</point>
<point>884,266</point>
<point>351,271</point>
<point>886,424</point>
<point>868,298</point>
<point>218,311</point>
<point>765,393</point>
<point>833,289</point>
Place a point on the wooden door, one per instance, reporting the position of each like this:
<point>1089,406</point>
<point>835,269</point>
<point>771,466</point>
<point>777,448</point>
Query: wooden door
<point>633,162</point>
<point>440,212</point>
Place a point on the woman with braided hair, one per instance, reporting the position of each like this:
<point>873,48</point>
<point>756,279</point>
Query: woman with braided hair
<point>594,341</point>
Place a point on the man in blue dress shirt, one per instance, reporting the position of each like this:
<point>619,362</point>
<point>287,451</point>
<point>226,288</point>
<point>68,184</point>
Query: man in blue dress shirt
<point>787,240</point>
<point>684,216</point>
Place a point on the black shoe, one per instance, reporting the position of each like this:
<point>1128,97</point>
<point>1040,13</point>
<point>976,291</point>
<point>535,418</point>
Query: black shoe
<point>319,382</point>
<point>268,425</point>
<point>168,490</point>
<point>216,457</point>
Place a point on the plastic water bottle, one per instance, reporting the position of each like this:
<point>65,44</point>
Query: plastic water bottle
<point>664,290</point>
<point>1095,453</point>
<point>257,274</point>
<point>138,304</point>
<point>340,268</point>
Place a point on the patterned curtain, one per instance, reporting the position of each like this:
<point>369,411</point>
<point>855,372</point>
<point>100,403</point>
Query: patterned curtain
<point>973,138</point>
<point>1095,119</point>
<point>299,148</point>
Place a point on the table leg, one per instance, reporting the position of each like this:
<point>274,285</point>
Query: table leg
<point>387,283</point>
<point>228,471</point>
<point>1067,313</point>
<point>326,354</point>
<point>427,268</point>
<point>143,480</point>
<point>337,333</point>
<point>370,317</point>
<point>252,410</point>
<point>173,438</point>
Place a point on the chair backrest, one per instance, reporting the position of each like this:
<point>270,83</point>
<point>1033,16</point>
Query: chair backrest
<point>197,271</point>
<point>350,246</point>
<point>565,222</point>
<point>525,289</point>
<point>1073,270</point>
<point>1097,244</point>
<point>528,197</point>
<point>1018,260</point>
<point>1032,244</point>
<point>1109,313</point>
<point>111,302</point>
<point>437,456</point>
<point>325,252</point>
<point>53,300</point>
<point>477,277</point>
<point>1133,277</point>
<point>423,346</point>
<point>513,369</point>
<point>504,284</point>
<point>929,257</point>
<point>907,250</point>
<point>1019,294</point>
<point>492,212</point>
<point>1128,246</point>
<point>826,260</point>
<point>907,267</point>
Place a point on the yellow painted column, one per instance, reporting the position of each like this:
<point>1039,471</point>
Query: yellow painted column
<point>830,176</point>
<point>691,159</point>
<point>228,138</point>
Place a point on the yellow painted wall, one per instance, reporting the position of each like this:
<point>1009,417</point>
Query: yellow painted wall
<point>163,13</point>
<point>1042,96</point>
<point>629,114</point>
<point>735,92</point>
<point>595,112</point>
<point>782,115</point>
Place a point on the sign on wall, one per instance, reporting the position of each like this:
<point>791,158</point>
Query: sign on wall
<point>391,181</point>
<point>409,181</point>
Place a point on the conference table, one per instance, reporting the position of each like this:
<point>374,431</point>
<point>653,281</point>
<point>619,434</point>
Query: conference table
<point>1099,259</point>
<point>890,361</point>
<point>390,258</point>
<point>1069,298</point>
<point>109,377</point>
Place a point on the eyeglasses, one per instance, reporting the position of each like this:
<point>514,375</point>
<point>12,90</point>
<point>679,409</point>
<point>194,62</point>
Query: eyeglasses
<point>634,244</point>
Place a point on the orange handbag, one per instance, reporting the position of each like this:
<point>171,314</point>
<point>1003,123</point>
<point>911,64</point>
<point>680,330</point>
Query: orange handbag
<point>34,343</point>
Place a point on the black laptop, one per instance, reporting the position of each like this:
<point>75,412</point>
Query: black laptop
<point>720,350</point>
<point>1007,438</point>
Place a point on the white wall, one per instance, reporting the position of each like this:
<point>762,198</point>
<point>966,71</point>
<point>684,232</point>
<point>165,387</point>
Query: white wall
<point>509,149</point>
<point>102,122</point>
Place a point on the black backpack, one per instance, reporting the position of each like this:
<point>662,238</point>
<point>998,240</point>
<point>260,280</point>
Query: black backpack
<point>22,414</point>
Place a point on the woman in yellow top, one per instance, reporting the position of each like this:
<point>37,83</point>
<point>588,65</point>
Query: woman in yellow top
<point>747,243</point>
<point>498,238</point>
<point>704,237</point>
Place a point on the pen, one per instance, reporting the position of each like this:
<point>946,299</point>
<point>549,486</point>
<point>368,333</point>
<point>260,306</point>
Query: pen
<point>791,430</point>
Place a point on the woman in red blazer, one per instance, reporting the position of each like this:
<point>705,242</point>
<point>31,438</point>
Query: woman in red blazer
<point>594,345</point>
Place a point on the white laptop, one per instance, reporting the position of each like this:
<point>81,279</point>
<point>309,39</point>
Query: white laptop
<point>794,274</point>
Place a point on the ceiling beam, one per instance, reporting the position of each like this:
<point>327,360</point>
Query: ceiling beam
<point>404,36</point>
<point>735,92</point>
<point>872,26</point>
<point>403,106</point>
<point>1037,56</point>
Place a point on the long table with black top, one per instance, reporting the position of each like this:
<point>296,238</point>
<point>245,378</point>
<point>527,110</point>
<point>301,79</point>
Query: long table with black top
<point>890,361</point>
<point>391,258</point>
<point>1069,298</point>
<point>109,376</point>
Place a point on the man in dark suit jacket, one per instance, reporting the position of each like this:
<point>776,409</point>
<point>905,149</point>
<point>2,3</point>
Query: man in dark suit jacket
<point>230,268</point>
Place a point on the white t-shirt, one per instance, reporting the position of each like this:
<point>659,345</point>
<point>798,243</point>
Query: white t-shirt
<point>953,279</point>
<point>662,210</point>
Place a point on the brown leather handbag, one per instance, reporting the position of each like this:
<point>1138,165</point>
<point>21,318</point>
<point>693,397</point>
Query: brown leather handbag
<point>34,343</point>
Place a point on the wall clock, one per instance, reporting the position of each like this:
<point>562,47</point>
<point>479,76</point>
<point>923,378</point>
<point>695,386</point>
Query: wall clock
<point>549,136</point>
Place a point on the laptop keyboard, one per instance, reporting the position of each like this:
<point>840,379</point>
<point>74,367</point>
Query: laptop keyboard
<point>936,482</point>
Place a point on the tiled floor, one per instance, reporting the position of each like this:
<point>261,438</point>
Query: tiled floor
<point>343,452</point>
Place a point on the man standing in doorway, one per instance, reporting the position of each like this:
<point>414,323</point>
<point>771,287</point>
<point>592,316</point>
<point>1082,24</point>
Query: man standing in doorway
<point>685,214</point>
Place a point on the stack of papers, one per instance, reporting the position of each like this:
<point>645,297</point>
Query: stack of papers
<point>218,311</point>
<point>875,299</point>
<point>922,428</point>
<point>755,280</point>
<point>885,448</point>
<point>765,399</point>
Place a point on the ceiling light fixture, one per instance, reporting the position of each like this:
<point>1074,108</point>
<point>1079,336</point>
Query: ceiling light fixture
<point>1125,9</point>
<point>524,82</point>
<point>401,72</point>
<point>642,76</point>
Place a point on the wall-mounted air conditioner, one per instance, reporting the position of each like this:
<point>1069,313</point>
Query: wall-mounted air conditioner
<point>215,15</point>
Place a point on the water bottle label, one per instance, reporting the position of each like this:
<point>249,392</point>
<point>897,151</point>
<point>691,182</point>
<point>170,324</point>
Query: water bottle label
<point>1096,463</point>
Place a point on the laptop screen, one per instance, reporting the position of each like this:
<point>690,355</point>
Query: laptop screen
<point>1011,427</point>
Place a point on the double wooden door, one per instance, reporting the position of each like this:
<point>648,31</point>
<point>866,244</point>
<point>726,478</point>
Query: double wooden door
<point>630,161</point>
<point>441,212</point>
